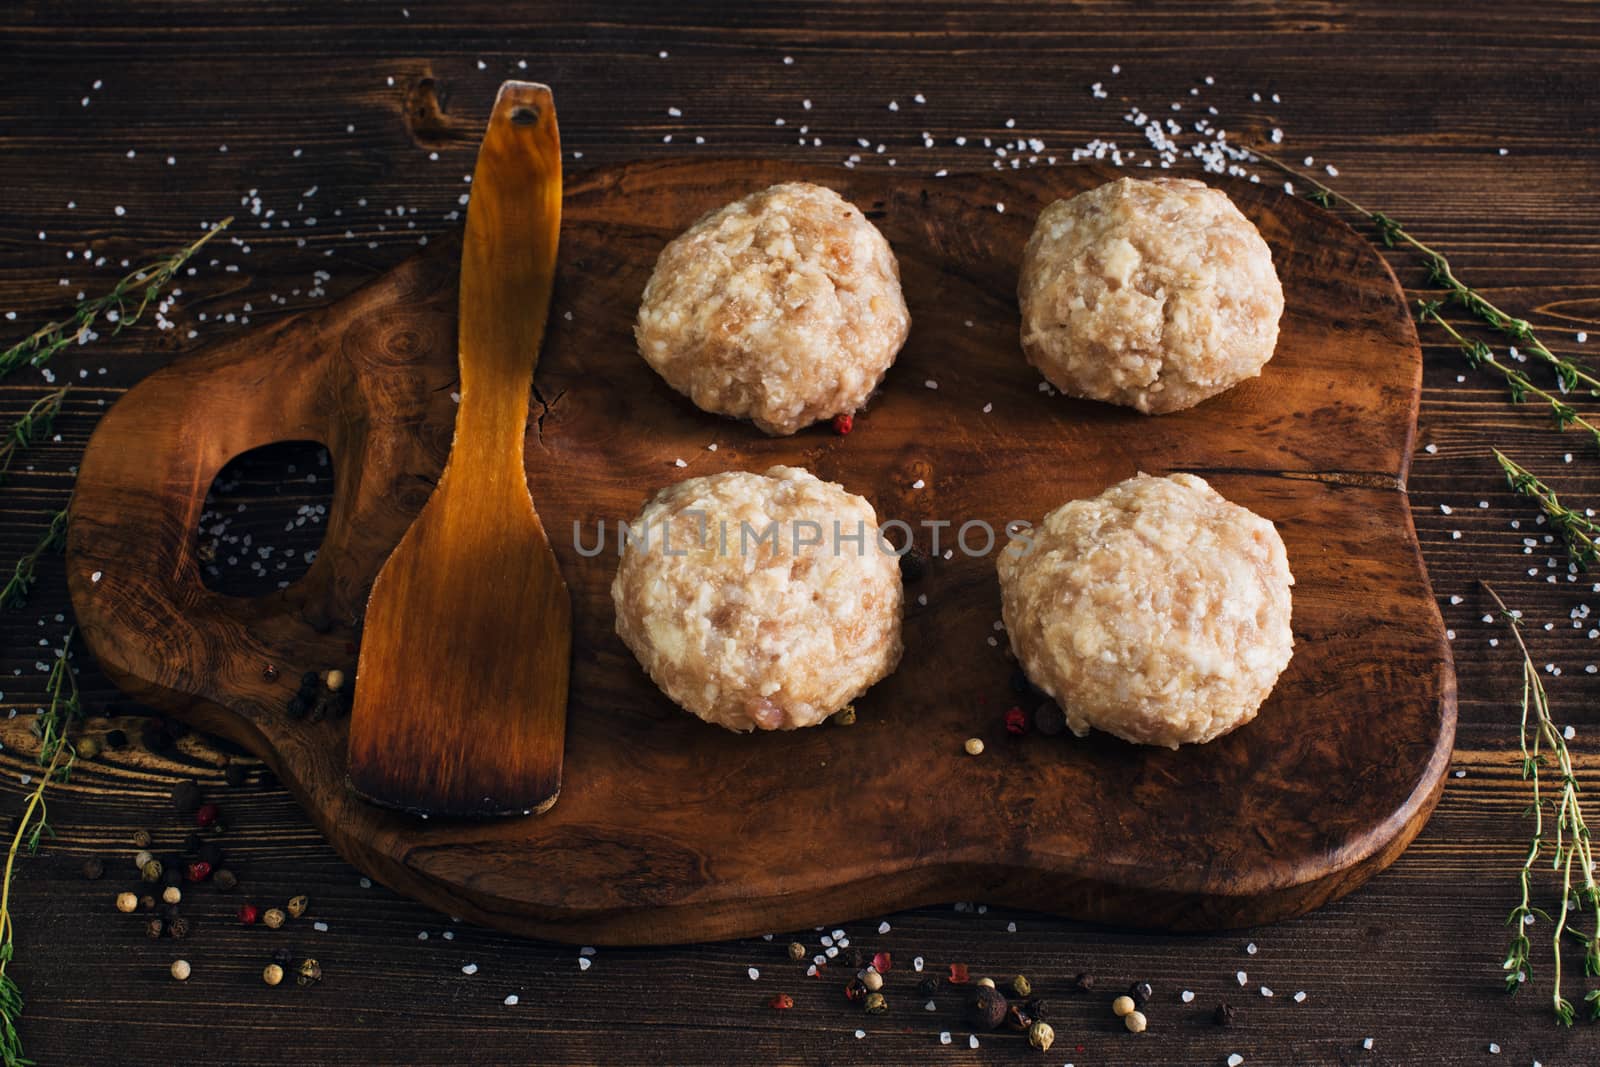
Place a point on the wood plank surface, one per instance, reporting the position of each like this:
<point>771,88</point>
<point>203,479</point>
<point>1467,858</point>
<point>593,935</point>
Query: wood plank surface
<point>1411,103</point>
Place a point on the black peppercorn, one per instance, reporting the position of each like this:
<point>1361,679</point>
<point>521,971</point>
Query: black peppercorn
<point>93,868</point>
<point>169,912</point>
<point>154,928</point>
<point>178,928</point>
<point>297,706</point>
<point>986,1007</point>
<point>171,871</point>
<point>1019,1016</point>
<point>225,880</point>
<point>1224,1015</point>
<point>152,738</point>
<point>1141,993</point>
<point>914,565</point>
<point>186,796</point>
<point>116,739</point>
<point>282,957</point>
<point>1084,982</point>
<point>234,773</point>
<point>855,990</point>
<point>1049,720</point>
<point>310,682</point>
<point>147,902</point>
<point>1019,681</point>
<point>928,986</point>
<point>1040,1010</point>
<point>210,852</point>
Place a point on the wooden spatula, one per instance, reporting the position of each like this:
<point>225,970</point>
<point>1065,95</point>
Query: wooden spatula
<point>461,685</point>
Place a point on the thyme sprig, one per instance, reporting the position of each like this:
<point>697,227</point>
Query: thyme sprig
<point>1569,376</point>
<point>1520,386</point>
<point>37,421</point>
<point>1538,736</point>
<point>56,755</point>
<point>1578,531</point>
<point>122,305</point>
<point>25,573</point>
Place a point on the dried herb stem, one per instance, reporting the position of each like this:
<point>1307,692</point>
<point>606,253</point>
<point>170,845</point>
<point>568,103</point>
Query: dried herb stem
<point>125,303</point>
<point>1538,735</point>
<point>37,421</point>
<point>1569,375</point>
<point>1577,530</point>
<point>56,755</point>
<point>1480,356</point>
<point>25,573</point>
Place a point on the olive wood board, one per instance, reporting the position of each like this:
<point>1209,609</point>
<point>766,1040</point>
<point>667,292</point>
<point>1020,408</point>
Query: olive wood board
<point>670,830</point>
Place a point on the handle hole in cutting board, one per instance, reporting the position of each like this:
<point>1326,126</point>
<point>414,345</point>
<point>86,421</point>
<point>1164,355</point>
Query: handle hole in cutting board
<point>264,518</point>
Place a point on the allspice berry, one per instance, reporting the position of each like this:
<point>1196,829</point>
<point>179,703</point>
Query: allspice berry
<point>1041,1036</point>
<point>272,974</point>
<point>93,868</point>
<point>171,895</point>
<point>127,902</point>
<point>986,1007</point>
<point>797,951</point>
<point>147,902</point>
<point>1122,1006</point>
<point>1084,982</point>
<point>310,972</point>
<point>1049,720</point>
<point>151,871</point>
<point>180,970</point>
<point>873,981</point>
<point>1135,1022</point>
<point>875,1004</point>
<point>273,918</point>
<point>1021,986</point>
<point>297,905</point>
<point>141,839</point>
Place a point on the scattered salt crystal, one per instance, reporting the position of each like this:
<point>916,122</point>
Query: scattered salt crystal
<point>1300,997</point>
<point>1266,992</point>
<point>588,950</point>
<point>1011,928</point>
<point>1242,977</point>
<point>471,968</point>
<point>944,1037</point>
<point>1188,996</point>
<point>916,964</point>
<point>1251,948</point>
<point>320,927</point>
<point>918,484</point>
<point>894,105</point>
<point>1367,1044</point>
<point>1494,1049</point>
<point>679,463</point>
<point>753,973</point>
<point>860,1034</point>
<point>931,384</point>
<point>988,408</point>
<point>511,1001</point>
<point>1430,449</point>
<point>883,927</point>
<point>972,1040</point>
<point>1000,207</point>
<point>930,1006</point>
<point>1461,774</point>
<point>1235,1059</point>
<point>1569,733</point>
<point>119,211</point>
<point>96,576</point>
<point>366,883</point>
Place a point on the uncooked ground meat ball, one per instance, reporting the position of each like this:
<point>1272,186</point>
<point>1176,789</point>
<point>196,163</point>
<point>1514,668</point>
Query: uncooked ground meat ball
<point>1157,611</point>
<point>1153,294</point>
<point>742,627</point>
<point>783,308</point>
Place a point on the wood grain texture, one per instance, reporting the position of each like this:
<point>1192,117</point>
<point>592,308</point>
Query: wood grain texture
<point>1410,100</point>
<point>674,830</point>
<point>461,703</point>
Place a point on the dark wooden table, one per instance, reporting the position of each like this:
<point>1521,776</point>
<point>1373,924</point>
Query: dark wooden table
<point>123,127</point>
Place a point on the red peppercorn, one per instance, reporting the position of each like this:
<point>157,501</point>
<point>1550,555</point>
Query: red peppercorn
<point>843,424</point>
<point>248,914</point>
<point>197,871</point>
<point>1016,721</point>
<point>958,973</point>
<point>882,962</point>
<point>206,815</point>
<point>781,1002</point>
<point>269,673</point>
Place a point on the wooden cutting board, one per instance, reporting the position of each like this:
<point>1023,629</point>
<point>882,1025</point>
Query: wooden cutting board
<point>669,830</point>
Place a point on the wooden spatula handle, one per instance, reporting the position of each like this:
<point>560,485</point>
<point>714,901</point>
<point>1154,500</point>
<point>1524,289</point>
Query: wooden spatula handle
<point>508,265</point>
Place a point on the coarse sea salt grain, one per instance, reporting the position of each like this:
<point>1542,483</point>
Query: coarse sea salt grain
<point>883,927</point>
<point>972,1040</point>
<point>584,963</point>
<point>1367,1044</point>
<point>511,1001</point>
<point>916,964</point>
<point>754,973</point>
<point>1235,1059</point>
<point>860,1034</point>
<point>918,484</point>
<point>1300,997</point>
<point>320,927</point>
<point>944,1037</point>
<point>471,968</point>
<point>1242,977</point>
<point>1187,996</point>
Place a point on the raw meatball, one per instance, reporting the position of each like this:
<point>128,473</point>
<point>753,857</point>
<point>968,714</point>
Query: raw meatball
<point>1156,611</point>
<point>742,627</point>
<point>1153,294</point>
<point>783,308</point>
